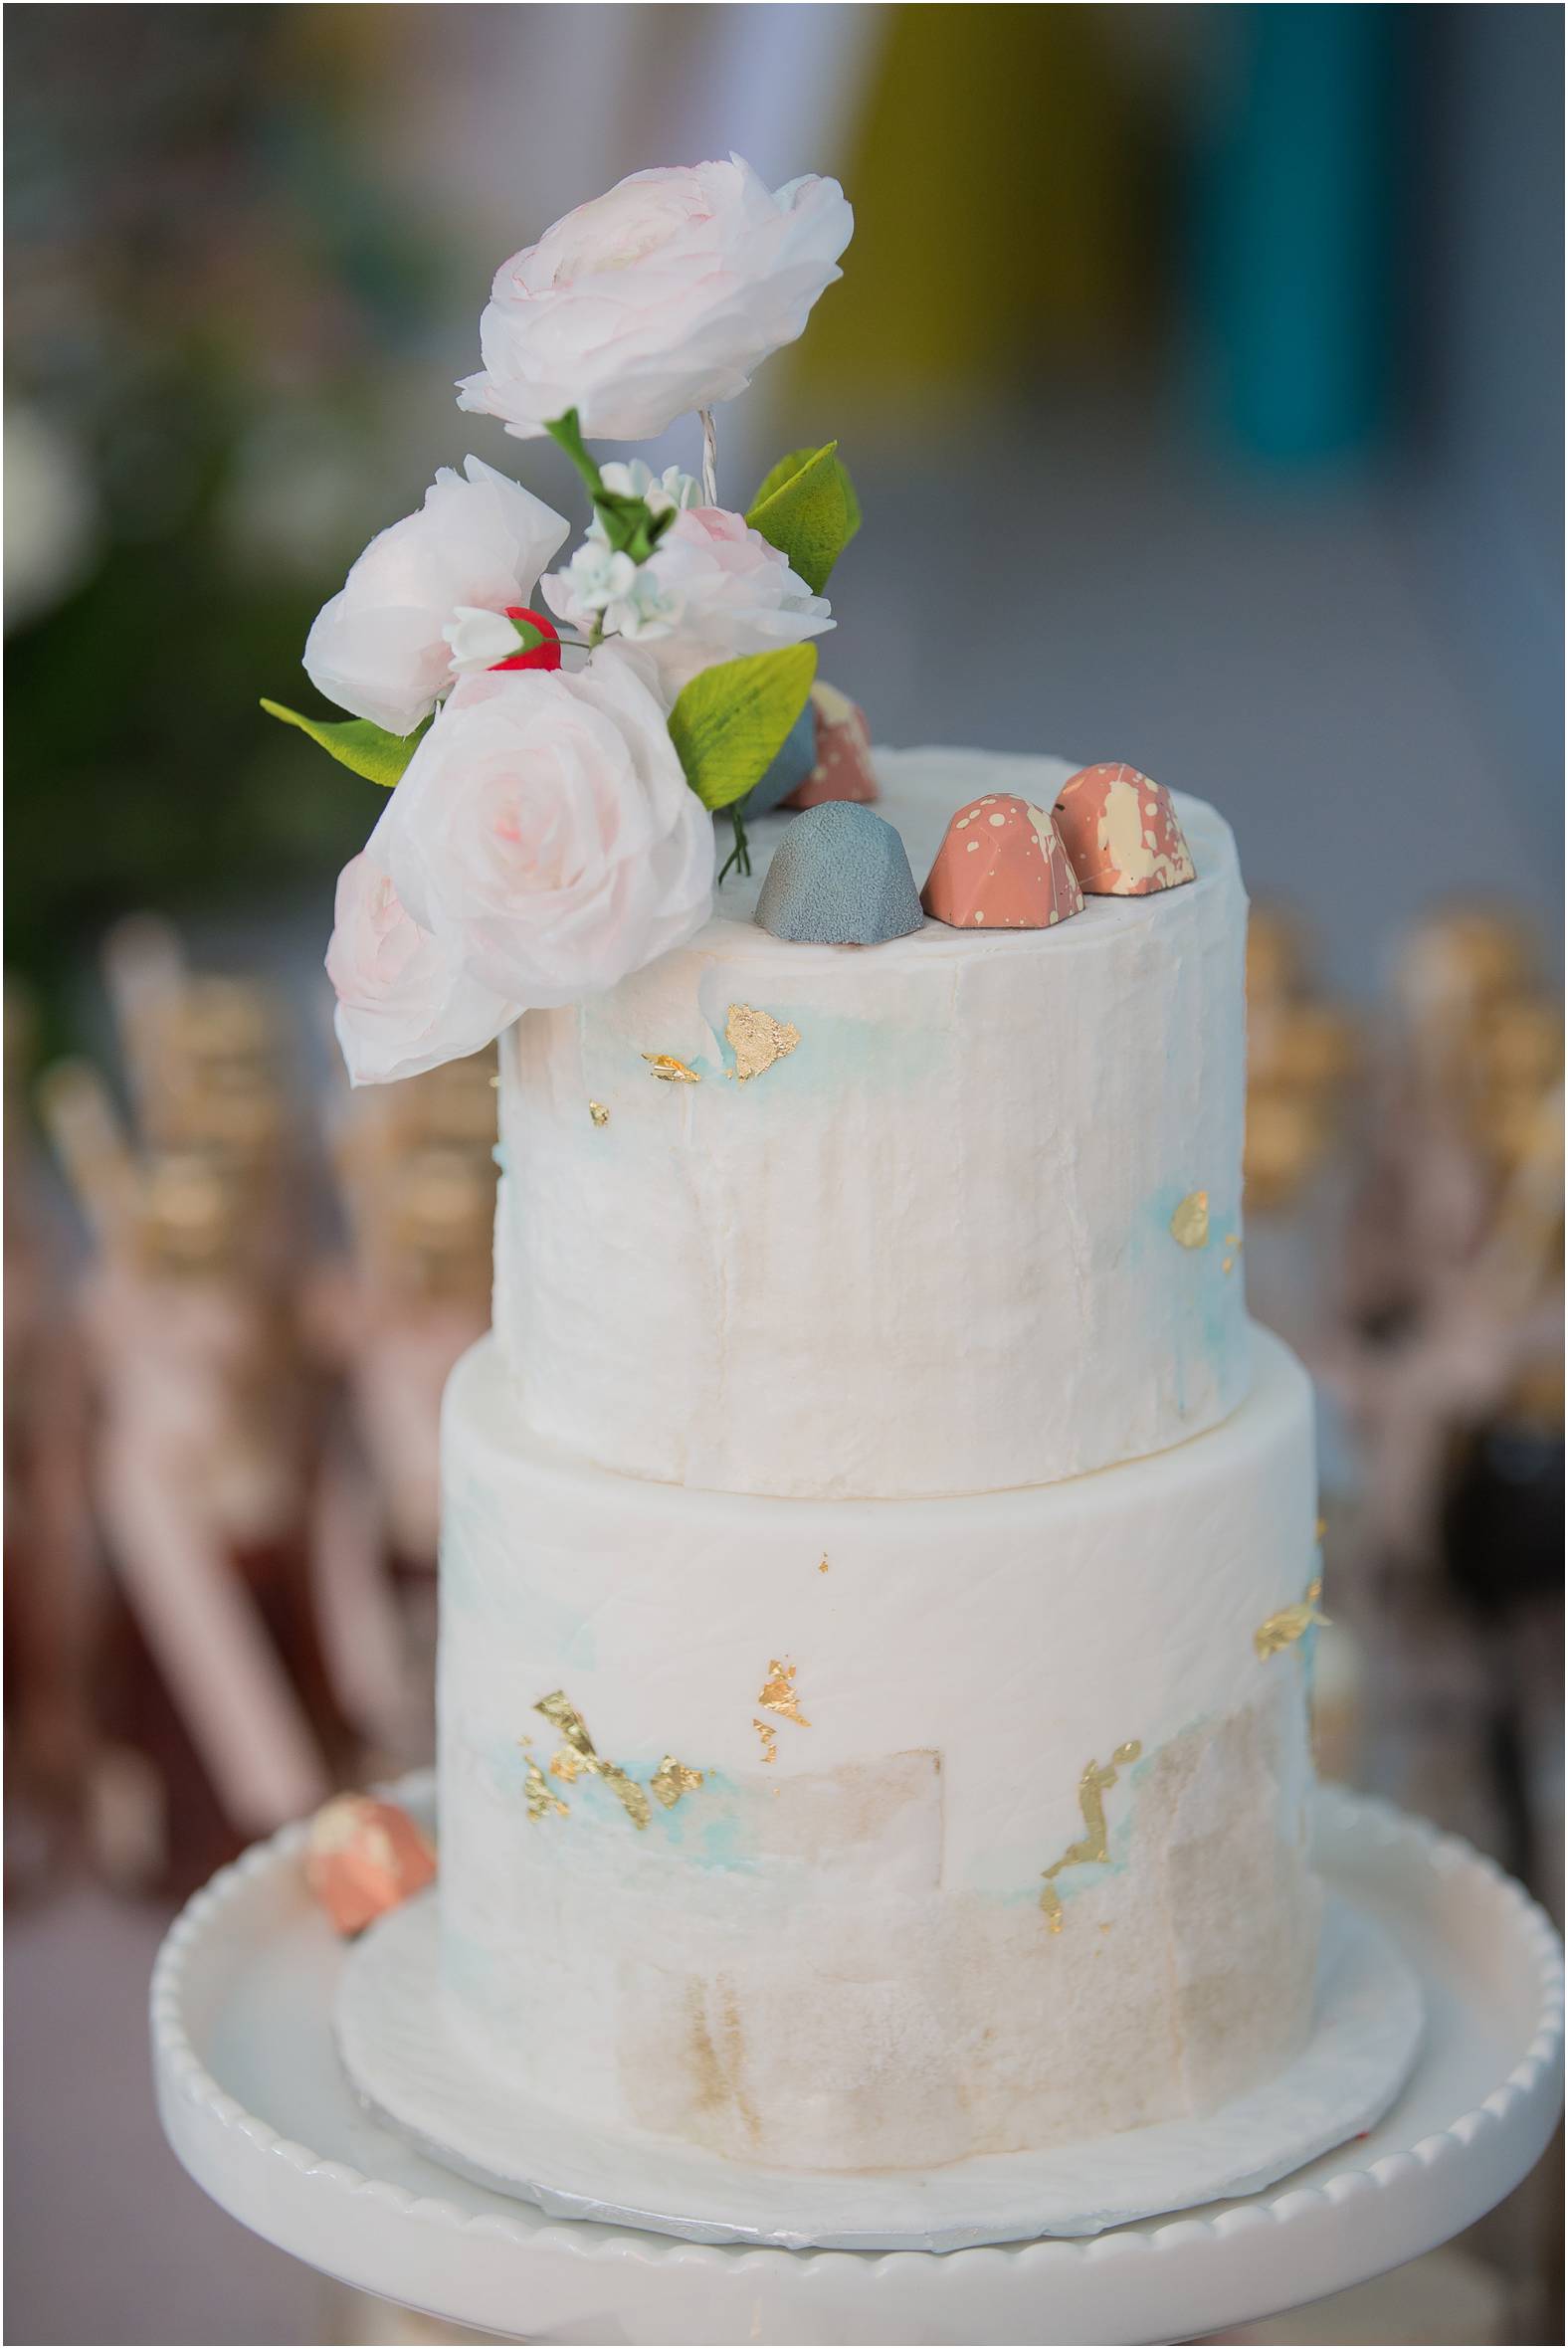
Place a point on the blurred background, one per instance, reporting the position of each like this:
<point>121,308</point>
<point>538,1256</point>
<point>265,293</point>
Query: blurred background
<point>1201,373</point>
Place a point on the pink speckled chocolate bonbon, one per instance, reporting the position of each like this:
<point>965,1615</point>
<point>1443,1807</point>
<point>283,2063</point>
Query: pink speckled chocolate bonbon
<point>1002,866</point>
<point>1122,833</point>
<point>844,752</point>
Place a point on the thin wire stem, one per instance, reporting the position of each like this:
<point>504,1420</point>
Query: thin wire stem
<point>710,458</point>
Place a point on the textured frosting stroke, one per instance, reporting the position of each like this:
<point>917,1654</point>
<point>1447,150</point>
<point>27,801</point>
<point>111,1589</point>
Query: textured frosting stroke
<point>928,1251</point>
<point>824,1944</point>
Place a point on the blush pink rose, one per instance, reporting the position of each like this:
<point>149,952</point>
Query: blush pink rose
<point>545,835</point>
<point>479,542</point>
<point>660,297</point>
<point>403,1004</point>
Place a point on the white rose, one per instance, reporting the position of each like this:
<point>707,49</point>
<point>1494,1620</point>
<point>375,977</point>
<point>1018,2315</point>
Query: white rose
<point>546,835</point>
<point>403,1004</point>
<point>660,297</point>
<point>711,590</point>
<point>378,647</point>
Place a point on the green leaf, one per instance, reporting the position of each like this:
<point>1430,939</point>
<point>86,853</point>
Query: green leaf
<point>628,525</point>
<point>808,510</point>
<point>730,723</point>
<point>354,742</point>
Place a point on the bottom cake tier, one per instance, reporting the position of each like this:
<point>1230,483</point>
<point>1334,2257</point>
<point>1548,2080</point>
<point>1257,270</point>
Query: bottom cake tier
<point>872,1834</point>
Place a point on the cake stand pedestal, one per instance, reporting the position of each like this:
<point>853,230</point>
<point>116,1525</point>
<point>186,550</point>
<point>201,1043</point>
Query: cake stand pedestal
<point>257,2110</point>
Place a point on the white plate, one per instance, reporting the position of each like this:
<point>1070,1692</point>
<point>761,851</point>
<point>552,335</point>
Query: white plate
<point>256,2107</point>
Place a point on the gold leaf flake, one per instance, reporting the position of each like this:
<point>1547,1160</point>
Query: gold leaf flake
<point>562,1714</point>
<point>579,1756</point>
<point>1190,1223</point>
<point>777,1693</point>
<point>671,1070</point>
<point>598,1113</point>
<point>1283,1628</point>
<point>631,1798</point>
<point>758,1040</point>
<point>1095,1846</point>
<point>541,1796</point>
<point>769,1737</point>
<point>823,1568</point>
<point>672,1780</point>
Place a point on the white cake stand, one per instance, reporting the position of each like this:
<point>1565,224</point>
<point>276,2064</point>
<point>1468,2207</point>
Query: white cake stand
<point>257,2109</point>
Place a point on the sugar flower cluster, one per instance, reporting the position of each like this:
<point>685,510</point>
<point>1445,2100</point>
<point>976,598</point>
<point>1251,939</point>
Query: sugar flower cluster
<point>555,771</point>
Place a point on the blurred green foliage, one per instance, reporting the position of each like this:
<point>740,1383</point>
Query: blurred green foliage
<point>210,295</point>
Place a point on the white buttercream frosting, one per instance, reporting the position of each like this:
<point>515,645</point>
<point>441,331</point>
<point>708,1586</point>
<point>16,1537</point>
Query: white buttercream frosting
<point>927,1253</point>
<point>838,1957</point>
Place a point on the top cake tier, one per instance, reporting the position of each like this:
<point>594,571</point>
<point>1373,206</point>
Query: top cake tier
<point>935,1247</point>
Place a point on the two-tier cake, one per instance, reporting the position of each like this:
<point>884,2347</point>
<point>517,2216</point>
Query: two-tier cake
<point>879,1558</point>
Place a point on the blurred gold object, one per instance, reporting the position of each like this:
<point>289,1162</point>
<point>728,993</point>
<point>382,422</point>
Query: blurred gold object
<point>1536,1398</point>
<point>190,1216</point>
<point>1458,959</point>
<point>205,1058</point>
<point>222,1021</point>
<point>1303,1061</point>
<point>417,1166</point>
<point>1287,1135</point>
<point>441,1210</point>
<point>454,1104</point>
<point>1275,955</point>
<point>84,1129</point>
<point>1515,1069</point>
<point>383,1125</point>
<point>1461,980</point>
<point>1522,1041</point>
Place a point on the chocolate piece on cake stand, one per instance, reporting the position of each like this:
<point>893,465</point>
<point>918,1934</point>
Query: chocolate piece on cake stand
<point>258,2112</point>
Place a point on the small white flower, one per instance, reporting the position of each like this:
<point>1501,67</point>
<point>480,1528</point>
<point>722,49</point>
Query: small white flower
<point>591,582</point>
<point>648,608</point>
<point>658,492</point>
<point>623,598</point>
<point>732,594</point>
<point>660,297</point>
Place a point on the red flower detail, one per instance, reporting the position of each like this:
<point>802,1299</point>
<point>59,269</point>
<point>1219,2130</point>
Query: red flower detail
<point>546,656</point>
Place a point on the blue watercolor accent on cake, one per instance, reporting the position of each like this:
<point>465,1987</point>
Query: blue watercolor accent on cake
<point>1306,1645</point>
<point>708,1828</point>
<point>835,1055</point>
<point>498,1153</point>
<point>1122,1836</point>
<point>1206,1315</point>
<point>1090,1872</point>
<point>840,877</point>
